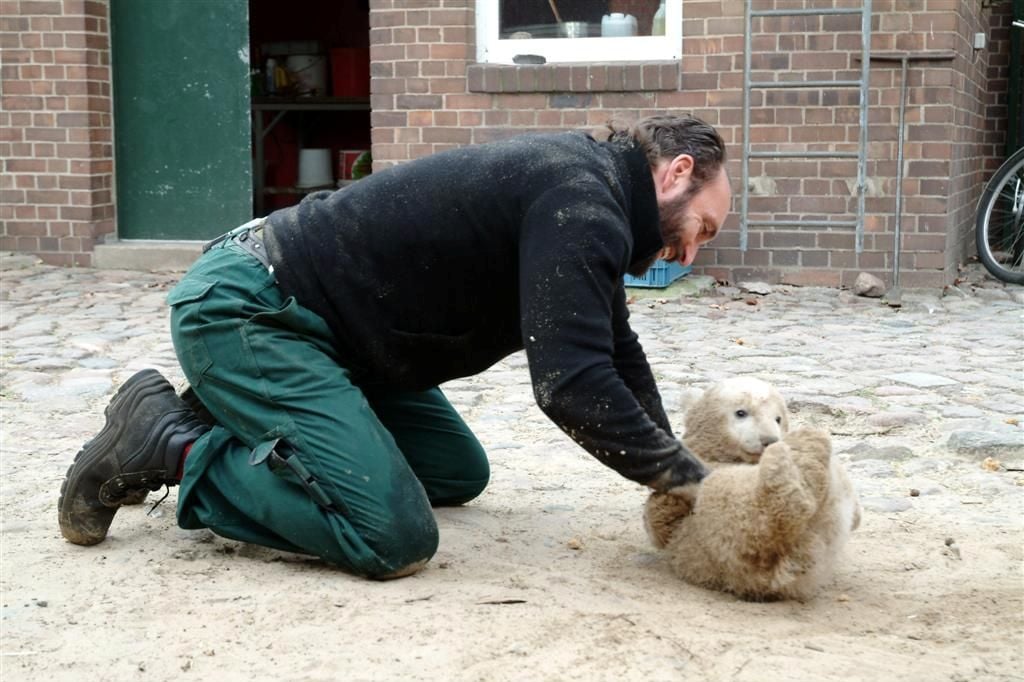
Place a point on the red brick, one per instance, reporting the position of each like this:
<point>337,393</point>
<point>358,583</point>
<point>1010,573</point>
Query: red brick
<point>432,70</point>
<point>927,280</point>
<point>24,228</point>
<point>417,86</point>
<point>446,118</point>
<point>422,34</point>
<point>61,259</point>
<point>381,18</point>
<point>472,119</point>
<point>30,7</point>
<point>21,103</point>
<point>447,85</point>
<point>417,51</point>
<point>456,34</point>
<point>46,197</point>
<point>468,101</point>
<point>420,119</point>
<point>789,240</point>
<point>549,118</point>
<point>449,17</point>
<point>441,51</point>
<point>389,119</point>
<point>811,278</point>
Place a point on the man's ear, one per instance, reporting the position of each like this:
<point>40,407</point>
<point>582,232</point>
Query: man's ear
<point>677,171</point>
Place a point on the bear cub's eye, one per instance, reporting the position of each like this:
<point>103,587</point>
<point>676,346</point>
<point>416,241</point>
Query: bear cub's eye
<point>741,413</point>
<point>778,420</point>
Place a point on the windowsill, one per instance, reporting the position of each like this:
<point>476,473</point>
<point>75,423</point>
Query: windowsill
<point>597,77</point>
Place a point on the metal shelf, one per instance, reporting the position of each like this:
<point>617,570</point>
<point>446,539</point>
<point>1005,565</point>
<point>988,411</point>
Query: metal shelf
<point>310,104</point>
<point>283,105</point>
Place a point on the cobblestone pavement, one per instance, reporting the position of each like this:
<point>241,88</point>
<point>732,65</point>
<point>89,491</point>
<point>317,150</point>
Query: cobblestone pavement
<point>941,377</point>
<point>925,400</point>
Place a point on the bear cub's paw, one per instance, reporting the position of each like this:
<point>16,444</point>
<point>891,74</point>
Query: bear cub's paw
<point>662,515</point>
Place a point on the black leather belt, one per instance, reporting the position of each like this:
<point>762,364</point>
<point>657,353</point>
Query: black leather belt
<point>248,238</point>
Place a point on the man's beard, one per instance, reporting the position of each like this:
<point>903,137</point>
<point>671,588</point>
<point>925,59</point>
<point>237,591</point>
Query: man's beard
<point>640,268</point>
<point>669,219</point>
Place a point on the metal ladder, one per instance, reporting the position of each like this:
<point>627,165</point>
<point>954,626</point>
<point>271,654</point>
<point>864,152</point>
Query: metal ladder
<point>861,154</point>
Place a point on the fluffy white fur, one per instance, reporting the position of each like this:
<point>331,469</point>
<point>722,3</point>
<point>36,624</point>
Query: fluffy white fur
<point>735,420</point>
<point>771,518</point>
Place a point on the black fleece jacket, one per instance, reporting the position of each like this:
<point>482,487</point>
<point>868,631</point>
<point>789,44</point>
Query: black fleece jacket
<point>440,267</point>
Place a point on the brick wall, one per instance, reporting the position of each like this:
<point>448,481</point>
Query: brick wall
<point>942,132</point>
<point>56,189</point>
<point>967,166</point>
<point>429,95</point>
<point>994,97</point>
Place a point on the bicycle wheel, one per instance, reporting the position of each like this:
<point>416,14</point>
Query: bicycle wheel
<point>999,230</point>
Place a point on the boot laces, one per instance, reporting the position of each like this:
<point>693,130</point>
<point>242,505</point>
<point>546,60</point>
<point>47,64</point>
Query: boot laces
<point>167,491</point>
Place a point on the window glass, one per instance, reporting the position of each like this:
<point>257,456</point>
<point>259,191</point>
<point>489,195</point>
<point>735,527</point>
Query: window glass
<point>578,18</point>
<point>579,30</point>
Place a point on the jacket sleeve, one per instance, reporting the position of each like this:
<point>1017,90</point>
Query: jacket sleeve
<point>573,250</point>
<point>631,363</point>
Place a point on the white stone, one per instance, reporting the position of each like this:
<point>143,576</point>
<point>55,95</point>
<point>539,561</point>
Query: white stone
<point>923,379</point>
<point>868,285</point>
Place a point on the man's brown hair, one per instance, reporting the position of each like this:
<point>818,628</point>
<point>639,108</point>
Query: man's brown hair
<point>667,136</point>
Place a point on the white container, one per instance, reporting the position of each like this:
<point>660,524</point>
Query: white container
<point>618,24</point>
<point>573,29</point>
<point>309,72</point>
<point>314,168</point>
<point>658,25</point>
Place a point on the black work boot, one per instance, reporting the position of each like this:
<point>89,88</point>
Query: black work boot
<point>139,449</point>
<point>196,405</point>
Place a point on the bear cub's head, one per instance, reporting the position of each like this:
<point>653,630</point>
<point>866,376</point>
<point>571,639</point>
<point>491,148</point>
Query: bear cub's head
<point>735,420</point>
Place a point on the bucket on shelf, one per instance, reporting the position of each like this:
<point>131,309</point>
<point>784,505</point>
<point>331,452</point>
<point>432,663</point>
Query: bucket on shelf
<point>309,73</point>
<point>314,168</point>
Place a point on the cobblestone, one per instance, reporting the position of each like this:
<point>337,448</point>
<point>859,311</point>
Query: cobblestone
<point>939,379</point>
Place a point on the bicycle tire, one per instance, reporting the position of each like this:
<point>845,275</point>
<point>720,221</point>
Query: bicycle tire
<point>999,226</point>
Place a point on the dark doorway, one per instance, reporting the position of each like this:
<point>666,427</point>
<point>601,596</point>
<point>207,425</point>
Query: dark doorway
<point>311,104</point>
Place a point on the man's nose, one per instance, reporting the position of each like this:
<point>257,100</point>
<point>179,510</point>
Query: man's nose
<point>689,254</point>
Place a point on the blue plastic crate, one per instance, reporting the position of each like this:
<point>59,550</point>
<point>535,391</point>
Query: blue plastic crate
<point>659,276</point>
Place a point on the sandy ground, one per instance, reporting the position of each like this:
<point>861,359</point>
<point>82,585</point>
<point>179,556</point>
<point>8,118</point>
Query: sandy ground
<point>547,576</point>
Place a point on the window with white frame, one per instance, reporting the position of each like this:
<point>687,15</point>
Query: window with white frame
<point>574,31</point>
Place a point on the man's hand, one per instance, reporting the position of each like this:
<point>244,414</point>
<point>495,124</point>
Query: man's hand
<point>688,469</point>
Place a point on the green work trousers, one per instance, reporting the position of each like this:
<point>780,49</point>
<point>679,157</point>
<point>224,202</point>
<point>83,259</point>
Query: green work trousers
<point>303,459</point>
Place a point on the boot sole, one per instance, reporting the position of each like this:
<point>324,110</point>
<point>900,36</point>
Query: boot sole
<point>81,523</point>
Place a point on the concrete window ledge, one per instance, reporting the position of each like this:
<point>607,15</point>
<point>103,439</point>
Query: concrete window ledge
<point>618,77</point>
<point>147,254</point>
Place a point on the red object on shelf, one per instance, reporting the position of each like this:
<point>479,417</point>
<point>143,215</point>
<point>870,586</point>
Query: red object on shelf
<point>346,160</point>
<point>350,71</point>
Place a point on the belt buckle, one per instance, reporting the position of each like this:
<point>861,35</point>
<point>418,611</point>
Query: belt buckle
<point>255,222</point>
<point>239,231</point>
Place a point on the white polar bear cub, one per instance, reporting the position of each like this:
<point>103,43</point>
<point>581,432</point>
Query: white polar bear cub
<point>770,519</point>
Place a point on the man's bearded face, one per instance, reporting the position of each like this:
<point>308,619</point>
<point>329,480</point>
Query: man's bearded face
<point>672,220</point>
